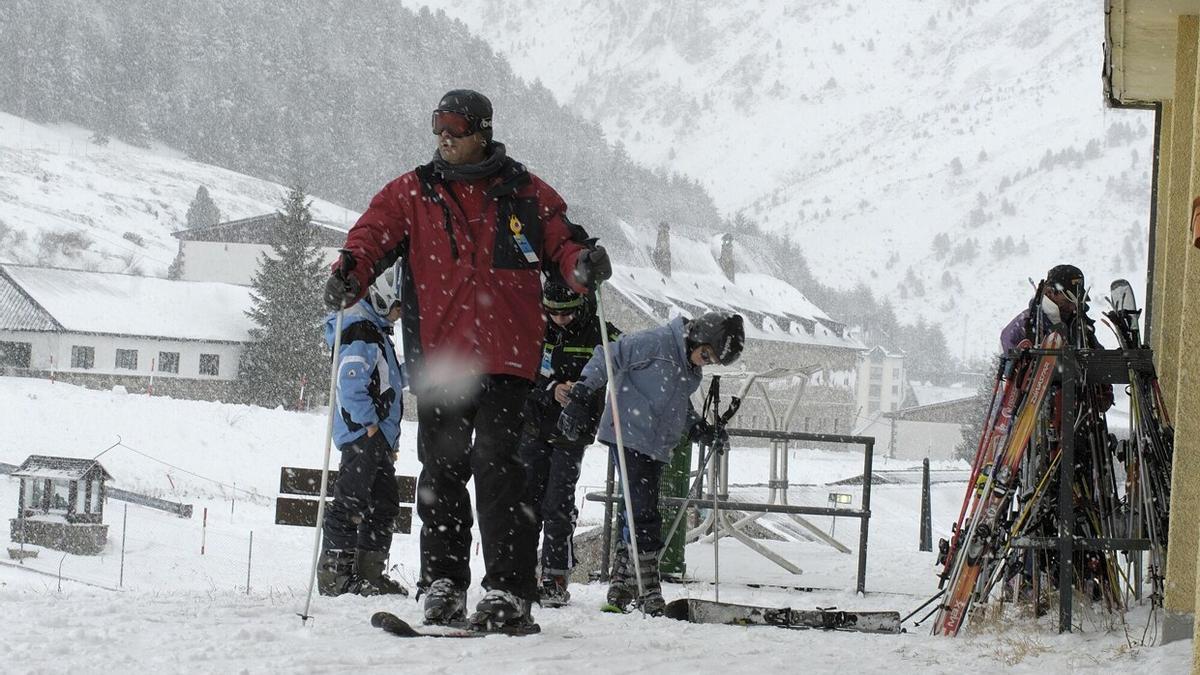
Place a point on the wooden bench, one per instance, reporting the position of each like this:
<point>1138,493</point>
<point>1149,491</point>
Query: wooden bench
<point>307,483</point>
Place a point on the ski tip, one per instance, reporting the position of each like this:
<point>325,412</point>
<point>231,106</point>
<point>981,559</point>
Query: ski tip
<point>378,619</point>
<point>611,609</point>
<point>679,610</point>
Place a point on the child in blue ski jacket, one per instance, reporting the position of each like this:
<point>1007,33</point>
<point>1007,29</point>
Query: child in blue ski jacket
<point>655,372</point>
<point>370,381</point>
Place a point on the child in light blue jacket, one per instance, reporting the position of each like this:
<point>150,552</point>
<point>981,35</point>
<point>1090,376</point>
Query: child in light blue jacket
<point>655,372</point>
<point>370,381</point>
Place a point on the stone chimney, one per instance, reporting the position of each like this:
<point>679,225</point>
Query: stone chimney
<point>726,259</point>
<point>662,249</point>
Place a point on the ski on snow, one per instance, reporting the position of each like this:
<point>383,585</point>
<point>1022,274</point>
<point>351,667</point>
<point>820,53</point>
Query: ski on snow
<point>707,611</point>
<point>393,624</point>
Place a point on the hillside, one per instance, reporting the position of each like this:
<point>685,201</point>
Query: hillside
<point>335,94</point>
<point>943,153</point>
<point>67,202</point>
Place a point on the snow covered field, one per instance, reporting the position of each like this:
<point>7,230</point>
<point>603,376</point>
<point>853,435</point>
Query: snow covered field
<point>178,611</point>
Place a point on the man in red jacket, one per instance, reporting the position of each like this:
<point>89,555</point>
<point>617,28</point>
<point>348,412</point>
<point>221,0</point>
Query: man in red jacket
<point>475,231</point>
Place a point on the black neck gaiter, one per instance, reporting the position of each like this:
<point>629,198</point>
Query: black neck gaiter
<point>488,167</point>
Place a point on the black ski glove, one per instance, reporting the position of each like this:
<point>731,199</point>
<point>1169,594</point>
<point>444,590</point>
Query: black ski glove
<point>342,289</point>
<point>577,413</point>
<point>703,433</point>
<point>593,267</point>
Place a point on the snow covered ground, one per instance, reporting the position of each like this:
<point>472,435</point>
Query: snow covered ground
<point>176,610</point>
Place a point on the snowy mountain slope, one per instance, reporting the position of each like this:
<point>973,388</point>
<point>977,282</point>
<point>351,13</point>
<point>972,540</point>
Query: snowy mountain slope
<point>66,201</point>
<point>866,130</point>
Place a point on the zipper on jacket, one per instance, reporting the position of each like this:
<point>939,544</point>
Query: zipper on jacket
<point>447,223</point>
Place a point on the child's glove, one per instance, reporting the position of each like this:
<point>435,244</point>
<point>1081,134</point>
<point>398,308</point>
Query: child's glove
<point>577,413</point>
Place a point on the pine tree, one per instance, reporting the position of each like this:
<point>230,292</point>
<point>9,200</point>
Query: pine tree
<point>973,427</point>
<point>202,212</point>
<point>175,271</point>
<point>288,344</point>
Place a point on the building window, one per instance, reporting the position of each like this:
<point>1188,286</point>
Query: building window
<point>895,389</point>
<point>168,362</point>
<point>876,373</point>
<point>126,359</point>
<point>15,354</point>
<point>872,407</point>
<point>895,373</point>
<point>210,364</point>
<point>35,495</point>
<point>94,494</point>
<point>876,391</point>
<point>60,496</point>
<point>83,357</point>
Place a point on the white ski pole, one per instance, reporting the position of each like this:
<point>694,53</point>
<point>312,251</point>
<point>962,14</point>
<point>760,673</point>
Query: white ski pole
<point>616,416</point>
<point>333,372</point>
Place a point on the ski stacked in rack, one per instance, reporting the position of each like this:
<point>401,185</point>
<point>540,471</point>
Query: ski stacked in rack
<point>1149,451</point>
<point>982,536</point>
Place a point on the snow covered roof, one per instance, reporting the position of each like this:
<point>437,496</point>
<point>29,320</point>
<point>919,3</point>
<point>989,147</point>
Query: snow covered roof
<point>257,230</point>
<point>18,312</point>
<point>58,468</point>
<point>929,394</point>
<point>773,309</point>
<point>122,304</point>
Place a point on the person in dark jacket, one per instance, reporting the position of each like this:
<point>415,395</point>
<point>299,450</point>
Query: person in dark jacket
<point>358,523</point>
<point>655,372</point>
<point>1061,291</point>
<point>552,462</point>
<point>475,230</point>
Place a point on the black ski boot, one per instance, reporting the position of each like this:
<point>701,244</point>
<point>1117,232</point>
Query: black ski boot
<point>622,586</point>
<point>553,591</point>
<point>444,602</point>
<point>372,578</point>
<point>502,612</point>
<point>651,602</point>
<point>336,572</point>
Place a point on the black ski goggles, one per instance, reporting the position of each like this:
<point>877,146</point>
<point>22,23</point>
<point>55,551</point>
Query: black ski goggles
<point>457,124</point>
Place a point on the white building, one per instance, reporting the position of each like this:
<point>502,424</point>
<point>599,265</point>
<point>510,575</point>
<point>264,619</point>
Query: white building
<point>104,329</point>
<point>880,382</point>
<point>230,251</point>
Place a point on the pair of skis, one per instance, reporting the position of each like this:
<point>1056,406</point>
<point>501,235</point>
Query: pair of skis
<point>692,610</point>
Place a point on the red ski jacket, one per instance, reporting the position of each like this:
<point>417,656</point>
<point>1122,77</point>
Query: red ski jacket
<point>473,253</point>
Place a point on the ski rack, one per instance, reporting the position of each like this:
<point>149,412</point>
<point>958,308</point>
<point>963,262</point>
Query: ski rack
<point>719,476</point>
<point>1098,366</point>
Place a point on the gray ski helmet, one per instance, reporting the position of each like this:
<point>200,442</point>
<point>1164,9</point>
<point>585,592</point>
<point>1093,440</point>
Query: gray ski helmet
<point>471,103</point>
<point>723,331</point>
<point>384,293</point>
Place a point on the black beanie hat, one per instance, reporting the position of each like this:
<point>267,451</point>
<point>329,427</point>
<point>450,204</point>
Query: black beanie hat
<point>1068,277</point>
<point>472,104</point>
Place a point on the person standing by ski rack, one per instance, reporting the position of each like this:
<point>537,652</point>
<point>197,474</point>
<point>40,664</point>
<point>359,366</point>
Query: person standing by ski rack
<point>475,231</point>
<point>655,372</point>
<point>358,523</point>
<point>552,462</point>
<point>1059,294</point>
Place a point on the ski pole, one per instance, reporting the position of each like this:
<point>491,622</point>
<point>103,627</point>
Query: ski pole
<point>616,417</point>
<point>333,371</point>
